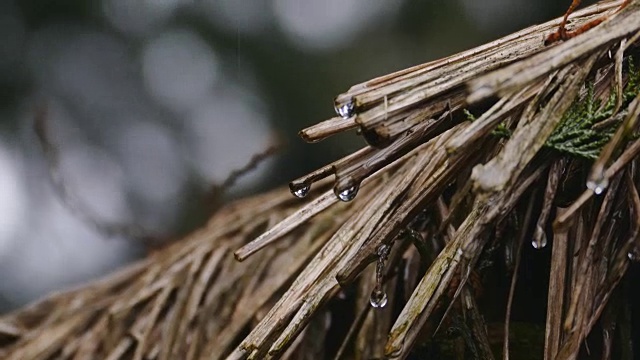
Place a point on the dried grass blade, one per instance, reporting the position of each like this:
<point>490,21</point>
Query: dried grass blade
<point>327,128</point>
<point>597,177</point>
<point>556,295</point>
<point>555,173</point>
<point>319,272</point>
<point>436,172</point>
<point>523,72</point>
<point>294,220</point>
<point>338,253</point>
<point>514,277</point>
<point>529,138</point>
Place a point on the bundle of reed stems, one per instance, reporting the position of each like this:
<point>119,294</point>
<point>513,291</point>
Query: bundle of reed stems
<point>474,165</point>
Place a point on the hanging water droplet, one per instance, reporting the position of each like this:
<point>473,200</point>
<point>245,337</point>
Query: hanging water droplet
<point>346,110</point>
<point>633,255</point>
<point>378,296</point>
<point>383,251</point>
<point>598,189</point>
<point>299,190</point>
<point>347,194</point>
<point>539,238</point>
<point>539,243</point>
<point>598,186</point>
<point>378,299</point>
<point>302,192</point>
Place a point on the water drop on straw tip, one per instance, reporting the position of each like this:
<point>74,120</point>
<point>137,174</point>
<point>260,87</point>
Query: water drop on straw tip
<point>347,194</point>
<point>300,191</point>
<point>345,110</point>
<point>378,299</point>
<point>598,186</point>
<point>539,243</point>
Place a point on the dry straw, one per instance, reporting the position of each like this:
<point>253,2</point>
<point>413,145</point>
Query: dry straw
<point>471,160</point>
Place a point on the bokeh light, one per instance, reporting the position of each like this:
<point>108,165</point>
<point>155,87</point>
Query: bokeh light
<point>151,102</point>
<point>179,69</point>
<point>140,17</point>
<point>12,199</point>
<point>239,17</point>
<point>224,133</point>
<point>318,25</point>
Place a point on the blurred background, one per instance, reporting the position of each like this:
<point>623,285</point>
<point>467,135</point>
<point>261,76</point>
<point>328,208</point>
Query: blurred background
<point>150,103</point>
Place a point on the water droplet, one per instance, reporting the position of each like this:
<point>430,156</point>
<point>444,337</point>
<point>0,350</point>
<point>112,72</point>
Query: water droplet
<point>347,194</point>
<point>302,192</point>
<point>598,186</point>
<point>299,190</point>
<point>598,190</point>
<point>539,238</point>
<point>346,110</point>
<point>383,251</point>
<point>633,255</point>
<point>539,243</point>
<point>378,299</point>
